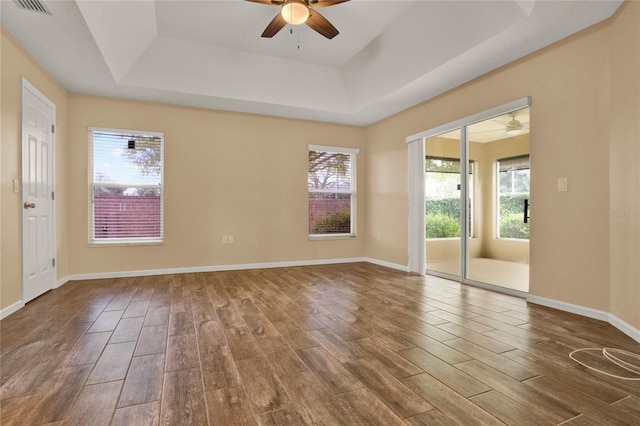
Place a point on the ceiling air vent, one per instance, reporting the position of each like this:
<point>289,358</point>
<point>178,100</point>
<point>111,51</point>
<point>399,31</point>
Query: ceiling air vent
<point>33,6</point>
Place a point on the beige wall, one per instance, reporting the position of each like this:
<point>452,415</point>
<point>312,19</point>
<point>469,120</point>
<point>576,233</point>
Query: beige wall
<point>569,86</point>
<point>16,63</point>
<point>624,159</point>
<point>225,174</point>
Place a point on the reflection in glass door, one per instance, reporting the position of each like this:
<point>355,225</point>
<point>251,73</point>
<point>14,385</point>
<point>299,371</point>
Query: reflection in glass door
<point>442,203</point>
<point>502,232</point>
<point>495,249</point>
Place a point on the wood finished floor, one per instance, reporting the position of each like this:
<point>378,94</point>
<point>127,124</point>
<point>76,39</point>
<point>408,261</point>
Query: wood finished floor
<point>337,344</point>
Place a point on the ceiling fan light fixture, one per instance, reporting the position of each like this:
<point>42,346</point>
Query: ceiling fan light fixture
<point>295,12</point>
<point>514,127</point>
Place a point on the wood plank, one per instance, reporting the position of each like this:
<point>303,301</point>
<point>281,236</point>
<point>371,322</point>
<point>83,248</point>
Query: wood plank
<point>337,347</point>
<point>263,388</point>
<point>183,398</point>
<point>477,338</point>
<point>181,323</point>
<point>152,340</point>
<point>580,401</point>
<point>144,380</point>
<point>182,353</point>
<point>508,410</point>
<point>242,343</point>
<point>494,360</point>
<point>88,348</point>
<point>157,315</point>
<point>394,363</point>
<point>434,347</point>
<point>364,408</point>
<point>228,406</point>
<point>113,363</point>
<point>330,372</point>
<point>218,368</point>
<point>147,414</point>
<point>430,418</point>
<point>387,388</point>
<point>54,398</point>
<point>450,403</point>
<point>446,373</point>
<point>127,330</point>
<point>95,405</point>
<point>107,321</point>
<point>136,309</point>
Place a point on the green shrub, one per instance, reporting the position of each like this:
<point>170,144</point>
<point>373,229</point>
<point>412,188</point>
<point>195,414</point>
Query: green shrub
<point>441,226</point>
<point>334,223</point>
<point>512,226</point>
<point>444,206</point>
<point>512,203</point>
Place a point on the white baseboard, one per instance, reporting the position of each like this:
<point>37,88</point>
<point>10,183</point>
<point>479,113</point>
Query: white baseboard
<point>386,264</point>
<point>61,282</point>
<point>626,328</point>
<point>194,269</point>
<point>11,309</point>
<point>569,307</point>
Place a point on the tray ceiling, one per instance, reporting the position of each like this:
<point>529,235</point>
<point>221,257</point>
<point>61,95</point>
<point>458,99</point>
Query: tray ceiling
<point>388,56</point>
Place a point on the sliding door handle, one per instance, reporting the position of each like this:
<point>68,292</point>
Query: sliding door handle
<point>526,210</point>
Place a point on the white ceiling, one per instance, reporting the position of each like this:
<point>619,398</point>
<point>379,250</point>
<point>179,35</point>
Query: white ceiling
<point>388,56</point>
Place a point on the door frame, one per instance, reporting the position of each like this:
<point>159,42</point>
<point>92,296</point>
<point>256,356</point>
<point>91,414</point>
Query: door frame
<point>27,86</point>
<point>416,153</point>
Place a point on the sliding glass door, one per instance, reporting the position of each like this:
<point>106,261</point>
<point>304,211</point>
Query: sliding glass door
<point>477,227</point>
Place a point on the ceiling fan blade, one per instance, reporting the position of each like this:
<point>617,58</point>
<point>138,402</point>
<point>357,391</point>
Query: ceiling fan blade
<point>274,26</point>
<point>269,2</point>
<point>319,23</point>
<point>317,4</point>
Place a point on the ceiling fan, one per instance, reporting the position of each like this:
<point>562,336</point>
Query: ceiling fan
<point>297,12</point>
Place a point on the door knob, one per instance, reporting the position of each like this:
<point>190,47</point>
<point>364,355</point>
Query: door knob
<point>29,205</point>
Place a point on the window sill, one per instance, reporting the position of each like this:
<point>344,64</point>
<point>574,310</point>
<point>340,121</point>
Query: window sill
<point>332,237</point>
<point>129,243</point>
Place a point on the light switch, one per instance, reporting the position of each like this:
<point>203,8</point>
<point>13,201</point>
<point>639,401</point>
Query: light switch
<point>562,185</point>
<point>16,186</point>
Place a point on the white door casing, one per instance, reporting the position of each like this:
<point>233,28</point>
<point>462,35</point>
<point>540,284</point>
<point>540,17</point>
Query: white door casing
<point>38,204</point>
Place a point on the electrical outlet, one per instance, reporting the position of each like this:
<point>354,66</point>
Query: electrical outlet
<point>563,185</point>
<point>224,239</point>
<point>229,239</point>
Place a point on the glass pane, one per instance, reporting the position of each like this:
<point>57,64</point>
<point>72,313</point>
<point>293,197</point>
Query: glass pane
<point>127,159</point>
<point>442,203</point>
<point>499,250</point>
<point>514,190</point>
<point>126,212</point>
<point>329,170</point>
<point>329,213</point>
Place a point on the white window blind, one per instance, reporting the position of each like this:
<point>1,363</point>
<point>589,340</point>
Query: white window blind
<point>125,187</point>
<point>331,182</point>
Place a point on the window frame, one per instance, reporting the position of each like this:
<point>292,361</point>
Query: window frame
<point>352,152</point>
<point>114,242</point>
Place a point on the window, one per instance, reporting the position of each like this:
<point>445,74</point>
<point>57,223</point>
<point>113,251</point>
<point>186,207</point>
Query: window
<point>513,189</point>
<point>442,197</point>
<point>125,187</point>
<point>331,182</point>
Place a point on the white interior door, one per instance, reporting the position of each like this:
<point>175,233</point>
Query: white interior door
<point>38,224</point>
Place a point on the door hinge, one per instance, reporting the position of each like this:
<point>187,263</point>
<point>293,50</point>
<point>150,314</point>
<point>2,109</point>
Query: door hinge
<point>53,263</point>
<point>53,128</point>
<point>53,195</point>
